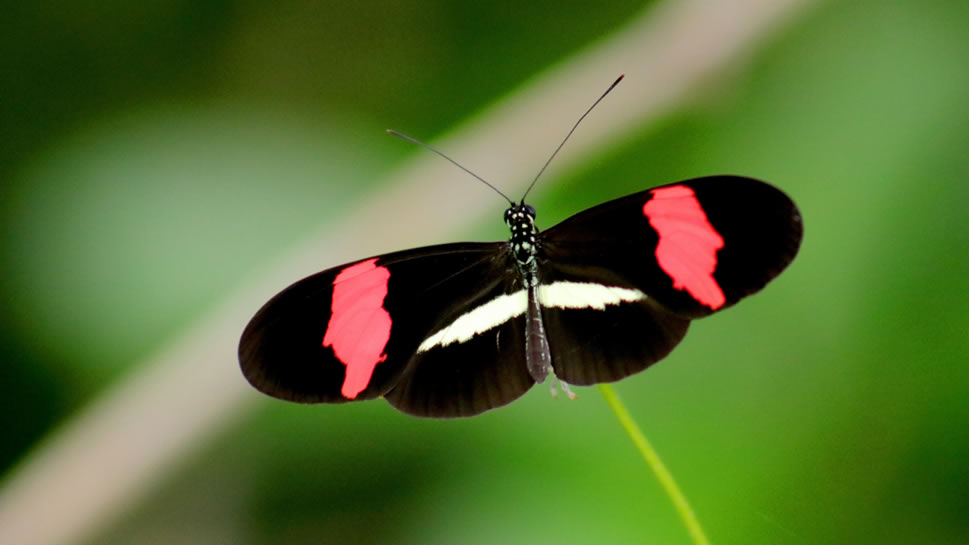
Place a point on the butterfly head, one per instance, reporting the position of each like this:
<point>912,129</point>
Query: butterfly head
<point>520,218</point>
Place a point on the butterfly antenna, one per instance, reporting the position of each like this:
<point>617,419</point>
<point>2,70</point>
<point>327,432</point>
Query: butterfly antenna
<point>554,153</point>
<point>453,162</point>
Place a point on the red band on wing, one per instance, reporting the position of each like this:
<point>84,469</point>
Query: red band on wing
<point>359,326</point>
<point>688,243</point>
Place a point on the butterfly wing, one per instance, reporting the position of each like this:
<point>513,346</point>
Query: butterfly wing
<point>696,246</point>
<point>689,249</point>
<point>353,332</point>
<point>474,360</point>
<point>600,328</point>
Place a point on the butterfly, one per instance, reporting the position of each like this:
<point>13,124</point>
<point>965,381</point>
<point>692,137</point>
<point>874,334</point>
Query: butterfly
<point>457,329</point>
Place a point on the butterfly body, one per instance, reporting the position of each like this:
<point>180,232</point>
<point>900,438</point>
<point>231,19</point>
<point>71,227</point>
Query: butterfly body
<point>457,329</point>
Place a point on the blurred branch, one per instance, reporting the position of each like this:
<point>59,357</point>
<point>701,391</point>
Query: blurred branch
<point>105,459</point>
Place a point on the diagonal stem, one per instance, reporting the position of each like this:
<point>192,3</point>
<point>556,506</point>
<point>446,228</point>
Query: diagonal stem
<point>654,462</point>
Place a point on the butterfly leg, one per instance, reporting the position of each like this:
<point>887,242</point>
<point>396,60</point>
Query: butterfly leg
<point>562,385</point>
<point>565,389</point>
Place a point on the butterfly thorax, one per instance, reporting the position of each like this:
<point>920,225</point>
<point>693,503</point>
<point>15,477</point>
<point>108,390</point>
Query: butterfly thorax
<point>520,218</point>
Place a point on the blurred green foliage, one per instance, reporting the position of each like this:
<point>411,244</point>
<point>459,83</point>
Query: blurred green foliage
<point>153,153</point>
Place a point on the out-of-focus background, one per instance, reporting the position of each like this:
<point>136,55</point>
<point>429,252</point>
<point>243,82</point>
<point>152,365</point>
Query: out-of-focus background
<point>154,154</point>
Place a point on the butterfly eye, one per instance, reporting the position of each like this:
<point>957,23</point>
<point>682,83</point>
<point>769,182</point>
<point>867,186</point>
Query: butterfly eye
<point>530,210</point>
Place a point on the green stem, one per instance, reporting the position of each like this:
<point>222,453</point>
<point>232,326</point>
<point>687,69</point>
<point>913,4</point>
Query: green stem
<point>663,475</point>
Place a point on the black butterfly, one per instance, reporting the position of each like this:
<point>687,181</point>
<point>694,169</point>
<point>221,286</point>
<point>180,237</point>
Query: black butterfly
<point>457,329</point>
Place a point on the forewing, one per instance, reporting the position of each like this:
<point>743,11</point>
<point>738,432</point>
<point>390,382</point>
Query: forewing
<point>694,247</point>
<point>350,332</point>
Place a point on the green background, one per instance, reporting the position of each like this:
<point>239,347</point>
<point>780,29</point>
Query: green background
<point>154,153</point>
